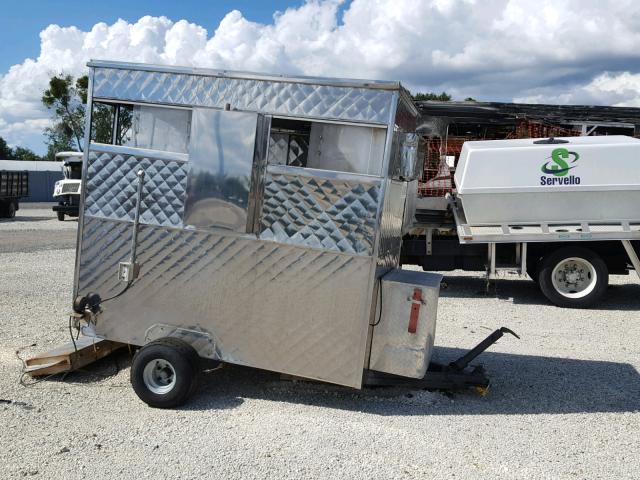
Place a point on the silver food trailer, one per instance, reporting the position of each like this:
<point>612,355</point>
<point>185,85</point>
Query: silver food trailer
<point>255,220</point>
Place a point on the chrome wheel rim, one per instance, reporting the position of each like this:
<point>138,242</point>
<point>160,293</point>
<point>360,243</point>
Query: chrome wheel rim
<point>159,376</point>
<point>574,277</point>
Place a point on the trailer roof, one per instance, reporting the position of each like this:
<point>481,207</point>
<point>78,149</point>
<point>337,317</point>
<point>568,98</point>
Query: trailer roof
<point>336,82</point>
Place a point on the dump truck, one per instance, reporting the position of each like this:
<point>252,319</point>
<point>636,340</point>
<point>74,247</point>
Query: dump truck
<point>14,185</point>
<point>563,211</point>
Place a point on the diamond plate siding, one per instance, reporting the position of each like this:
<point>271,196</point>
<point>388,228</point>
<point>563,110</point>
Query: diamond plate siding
<point>264,304</point>
<point>316,212</point>
<point>278,148</point>
<point>298,151</point>
<point>264,96</point>
<point>112,182</point>
<point>391,224</point>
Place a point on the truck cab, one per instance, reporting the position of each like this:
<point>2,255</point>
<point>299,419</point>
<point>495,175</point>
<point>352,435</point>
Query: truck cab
<point>67,191</point>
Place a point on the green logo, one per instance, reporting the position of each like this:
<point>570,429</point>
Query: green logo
<point>560,158</point>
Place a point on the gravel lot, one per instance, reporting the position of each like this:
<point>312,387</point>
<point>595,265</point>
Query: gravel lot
<point>564,403</point>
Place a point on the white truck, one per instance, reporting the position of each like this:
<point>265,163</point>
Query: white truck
<point>67,191</point>
<point>565,211</point>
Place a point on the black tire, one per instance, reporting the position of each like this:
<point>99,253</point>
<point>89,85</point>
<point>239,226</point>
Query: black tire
<point>11,210</point>
<point>165,390</point>
<point>61,216</point>
<point>595,276</point>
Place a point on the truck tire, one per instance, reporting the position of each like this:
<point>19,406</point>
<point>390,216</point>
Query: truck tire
<point>61,216</point>
<point>573,277</point>
<point>11,210</point>
<point>164,373</point>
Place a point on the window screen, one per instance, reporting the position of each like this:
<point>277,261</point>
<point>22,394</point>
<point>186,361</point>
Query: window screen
<point>346,148</point>
<point>102,122</point>
<point>327,146</point>
<point>141,126</point>
<point>158,128</point>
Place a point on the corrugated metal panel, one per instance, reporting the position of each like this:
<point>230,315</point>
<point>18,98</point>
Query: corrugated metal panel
<point>263,96</point>
<point>391,224</point>
<point>112,182</point>
<point>319,212</point>
<point>264,304</point>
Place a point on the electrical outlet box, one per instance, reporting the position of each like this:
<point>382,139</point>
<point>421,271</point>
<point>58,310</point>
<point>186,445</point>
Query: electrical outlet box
<point>127,271</point>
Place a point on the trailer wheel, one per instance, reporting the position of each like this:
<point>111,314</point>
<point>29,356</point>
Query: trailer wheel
<point>164,373</point>
<point>61,216</point>
<point>573,277</point>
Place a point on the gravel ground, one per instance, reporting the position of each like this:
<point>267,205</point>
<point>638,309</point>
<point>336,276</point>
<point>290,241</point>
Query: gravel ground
<point>564,403</point>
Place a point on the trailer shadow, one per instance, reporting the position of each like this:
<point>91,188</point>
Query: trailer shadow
<point>526,292</point>
<point>522,384</point>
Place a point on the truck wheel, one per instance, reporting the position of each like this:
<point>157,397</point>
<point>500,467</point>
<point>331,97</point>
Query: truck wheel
<point>61,216</point>
<point>164,373</point>
<point>573,277</point>
<point>11,210</point>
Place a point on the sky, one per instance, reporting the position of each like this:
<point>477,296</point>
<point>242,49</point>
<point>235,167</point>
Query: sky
<point>537,51</point>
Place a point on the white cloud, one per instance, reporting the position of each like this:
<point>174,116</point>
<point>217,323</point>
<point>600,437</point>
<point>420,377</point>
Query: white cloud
<point>534,50</point>
<point>620,90</point>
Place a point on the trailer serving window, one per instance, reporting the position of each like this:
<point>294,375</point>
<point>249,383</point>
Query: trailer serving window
<point>327,146</point>
<point>141,126</point>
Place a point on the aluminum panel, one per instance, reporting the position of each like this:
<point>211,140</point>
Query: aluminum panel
<point>265,96</point>
<point>263,304</point>
<point>111,183</point>
<point>337,215</point>
<point>406,113</point>
<point>391,224</point>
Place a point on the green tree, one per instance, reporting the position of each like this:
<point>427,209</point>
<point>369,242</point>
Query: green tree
<point>67,99</point>
<point>442,97</point>
<point>5,150</point>
<point>20,153</point>
<point>58,140</point>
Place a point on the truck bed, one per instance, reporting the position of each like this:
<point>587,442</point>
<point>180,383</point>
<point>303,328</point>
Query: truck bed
<point>14,184</point>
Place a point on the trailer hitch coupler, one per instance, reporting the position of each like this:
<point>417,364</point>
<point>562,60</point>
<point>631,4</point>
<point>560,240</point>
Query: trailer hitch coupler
<point>90,301</point>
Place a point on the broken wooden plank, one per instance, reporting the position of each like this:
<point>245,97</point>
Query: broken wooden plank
<point>67,357</point>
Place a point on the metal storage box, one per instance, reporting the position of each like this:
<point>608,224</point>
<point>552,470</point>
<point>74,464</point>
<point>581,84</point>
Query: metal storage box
<point>577,179</point>
<point>405,322</point>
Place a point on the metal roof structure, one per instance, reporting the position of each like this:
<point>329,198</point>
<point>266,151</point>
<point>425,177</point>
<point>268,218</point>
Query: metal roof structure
<point>496,113</point>
<point>31,166</point>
